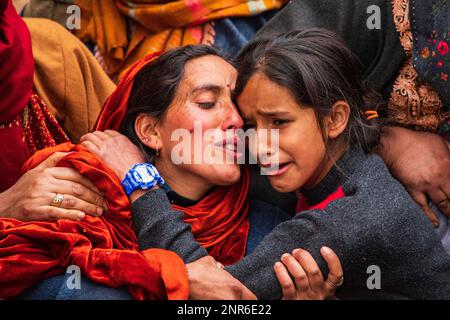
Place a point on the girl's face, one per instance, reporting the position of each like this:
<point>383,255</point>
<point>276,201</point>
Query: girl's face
<point>301,155</point>
<point>203,101</point>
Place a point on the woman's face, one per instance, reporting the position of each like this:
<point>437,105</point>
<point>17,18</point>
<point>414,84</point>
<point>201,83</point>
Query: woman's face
<point>300,157</point>
<point>203,102</point>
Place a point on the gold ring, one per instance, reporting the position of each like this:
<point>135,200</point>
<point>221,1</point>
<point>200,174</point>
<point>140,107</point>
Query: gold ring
<point>340,283</point>
<point>57,200</point>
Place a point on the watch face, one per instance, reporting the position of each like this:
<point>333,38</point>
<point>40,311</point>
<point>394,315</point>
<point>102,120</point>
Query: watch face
<point>142,175</point>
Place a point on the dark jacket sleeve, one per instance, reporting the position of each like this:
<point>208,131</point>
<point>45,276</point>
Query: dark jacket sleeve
<point>159,226</point>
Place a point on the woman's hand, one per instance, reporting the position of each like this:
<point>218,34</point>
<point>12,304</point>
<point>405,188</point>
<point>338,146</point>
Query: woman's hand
<point>31,197</point>
<point>209,281</point>
<point>421,162</point>
<point>115,149</point>
<point>308,283</point>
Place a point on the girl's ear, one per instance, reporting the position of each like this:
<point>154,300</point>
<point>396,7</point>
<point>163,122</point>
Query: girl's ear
<point>146,128</point>
<point>338,118</point>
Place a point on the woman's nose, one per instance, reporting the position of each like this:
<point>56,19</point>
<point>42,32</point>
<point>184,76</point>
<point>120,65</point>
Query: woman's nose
<point>232,119</point>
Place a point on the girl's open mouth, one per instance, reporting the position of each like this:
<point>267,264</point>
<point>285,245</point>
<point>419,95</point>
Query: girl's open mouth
<point>275,170</point>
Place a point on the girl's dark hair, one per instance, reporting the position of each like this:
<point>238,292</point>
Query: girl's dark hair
<point>318,69</point>
<point>155,87</point>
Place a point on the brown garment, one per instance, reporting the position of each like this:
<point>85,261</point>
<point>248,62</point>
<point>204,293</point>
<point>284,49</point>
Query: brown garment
<point>67,77</point>
<point>412,103</point>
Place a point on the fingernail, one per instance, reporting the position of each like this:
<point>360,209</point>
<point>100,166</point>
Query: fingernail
<point>99,211</point>
<point>81,215</point>
<point>295,251</point>
<point>277,264</point>
<point>326,250</point>
<point>286,255</point>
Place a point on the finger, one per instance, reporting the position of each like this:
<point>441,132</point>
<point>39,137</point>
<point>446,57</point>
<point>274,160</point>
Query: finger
<point>439,198</point>
<point>297,272</point>
<point>311,268</point>
<point>73,203</point>
<point>55,213</point>
<point>69,174</point>
<point>92,147</point>
<point>79,196</point>
<point>287,286</point>
<point>53,160</point>
<point>93,138</point>
<point>111,133</point>
<point>101,135</point>
<point>422,201</point>
<point>334,266</point>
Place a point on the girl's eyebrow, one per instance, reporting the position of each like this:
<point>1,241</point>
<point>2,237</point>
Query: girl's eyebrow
<point>273,113</point>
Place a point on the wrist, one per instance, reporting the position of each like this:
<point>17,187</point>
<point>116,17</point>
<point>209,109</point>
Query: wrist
<point>389,138</point>
<point>136,194</point>
<point>143,176</point>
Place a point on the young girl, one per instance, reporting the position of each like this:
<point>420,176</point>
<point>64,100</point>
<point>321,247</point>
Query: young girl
<point>307,85</point>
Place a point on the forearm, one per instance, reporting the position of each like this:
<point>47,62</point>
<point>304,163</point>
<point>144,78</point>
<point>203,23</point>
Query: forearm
<point>159,226</point>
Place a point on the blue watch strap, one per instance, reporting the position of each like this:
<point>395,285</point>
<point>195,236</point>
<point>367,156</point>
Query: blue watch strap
<point>134,180</point>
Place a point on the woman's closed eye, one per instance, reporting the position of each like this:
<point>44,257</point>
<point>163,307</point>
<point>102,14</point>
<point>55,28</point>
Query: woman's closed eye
<point>206,105</point>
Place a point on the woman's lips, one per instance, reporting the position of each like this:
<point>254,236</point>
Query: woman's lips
<point>275,169</point>
<point>231,147</point>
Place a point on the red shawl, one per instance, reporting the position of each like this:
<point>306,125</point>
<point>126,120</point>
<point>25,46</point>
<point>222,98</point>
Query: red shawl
<point>26,125</point>
<point>104,248</point>
<point>219,221</point>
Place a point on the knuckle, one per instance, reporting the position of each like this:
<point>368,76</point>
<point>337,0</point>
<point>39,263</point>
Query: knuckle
<point>89,209</point>
<point>77,189</point>
<point>27,211</point>
<point>300,277</point>
<point>35,194</point>
<point>287,286</point>
<point>99,201</point>
<point>315,272</point>
<point>70,201</point>
<point>235,289</point>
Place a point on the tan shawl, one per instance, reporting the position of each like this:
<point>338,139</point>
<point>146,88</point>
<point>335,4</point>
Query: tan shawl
<point>67,77</point>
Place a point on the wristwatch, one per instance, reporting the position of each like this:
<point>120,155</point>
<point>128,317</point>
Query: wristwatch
<point>143,176</point>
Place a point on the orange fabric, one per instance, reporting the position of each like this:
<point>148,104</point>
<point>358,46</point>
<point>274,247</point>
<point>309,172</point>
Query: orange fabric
<point>219,221</point>
<point>104,248</point>
<point>156,25</point>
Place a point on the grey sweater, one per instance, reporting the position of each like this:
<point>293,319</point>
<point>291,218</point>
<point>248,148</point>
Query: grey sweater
<point>375,224</point>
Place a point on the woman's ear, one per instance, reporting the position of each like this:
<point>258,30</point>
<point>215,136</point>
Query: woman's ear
<point>146,128</point>
<point>338,118</point>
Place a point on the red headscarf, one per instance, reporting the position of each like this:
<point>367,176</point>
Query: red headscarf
<point>26,125</point>
<point>219,221</point>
